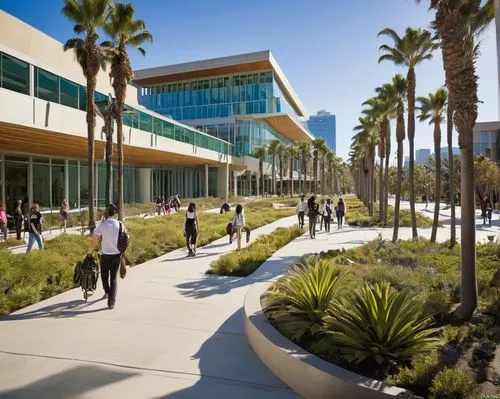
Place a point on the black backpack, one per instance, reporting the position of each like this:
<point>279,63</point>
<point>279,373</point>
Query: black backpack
<point>123,239</point>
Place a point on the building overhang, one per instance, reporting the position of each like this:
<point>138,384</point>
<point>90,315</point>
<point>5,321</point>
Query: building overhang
<point>284,124</point>
<point>243,63</point>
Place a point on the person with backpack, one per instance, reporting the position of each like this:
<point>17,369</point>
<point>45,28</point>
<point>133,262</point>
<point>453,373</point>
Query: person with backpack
<point>239,224</point>
<point>113,236</point>
<point>312,213</point>
<point>327,214</point>
<point>301,210</point>
<point>340,212</point>
<point>18,219</point>
<point>191,228</point>
<point>35,228</point>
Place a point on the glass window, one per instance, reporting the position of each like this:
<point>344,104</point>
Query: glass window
<point>84,184</point>
<point>83,97</point>
<point>157,126</point>
<point>14,74</point>
<point>41,184</point>
<point>47,86</point>
<point>73,184</point>
<point>69,93</point>
<point>57,185</point>
<point>146,122</point>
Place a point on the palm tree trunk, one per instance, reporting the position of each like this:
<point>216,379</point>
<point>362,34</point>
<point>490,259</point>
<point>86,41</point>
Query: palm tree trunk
<point>451,167</point>
<point>119,147</point>
<point>322,177</point>
<point>300,176</point>
<point>381,189</point>
<point>91,83</point>
<point>290,186</point>
<point>411,139</point>
<point>437,154</point>
<point>109,163</point>
<point>387,156</point>
<point>273,180</point>
<point>261,169</point>
<point>281,176</point>
<point>400,134</point>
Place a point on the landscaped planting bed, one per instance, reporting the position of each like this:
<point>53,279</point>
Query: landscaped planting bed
<point>27,279</point>
<point>389,311</point>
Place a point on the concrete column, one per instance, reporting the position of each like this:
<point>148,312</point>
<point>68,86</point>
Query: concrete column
<point>66,180</point>
<point>78,198</point>
<point>206,180</point>
<point>144,180</point>
<point>30,180</point>
<point>2,180</point>
<point>223,181</point>
<point>258,184</point>
<point>235,188</point>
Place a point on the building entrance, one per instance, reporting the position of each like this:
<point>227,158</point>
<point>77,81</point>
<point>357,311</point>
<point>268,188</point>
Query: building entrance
<point>16,183</point>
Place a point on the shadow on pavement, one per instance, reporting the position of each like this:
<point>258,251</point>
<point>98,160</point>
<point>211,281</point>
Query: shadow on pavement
<point>57,311</point>
<point>68,384</point>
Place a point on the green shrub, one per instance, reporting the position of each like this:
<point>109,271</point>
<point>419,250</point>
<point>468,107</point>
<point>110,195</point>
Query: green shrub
<point>11,242</point>
<point>246,261</point>
<point>455,335</point>
<point>419,376</point>
<point>299,300</point>
<point>437,304</point>
<point>378,323</point>
<point>452,384</point>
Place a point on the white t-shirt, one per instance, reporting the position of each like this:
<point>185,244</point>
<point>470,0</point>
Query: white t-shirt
<point>108,231</point>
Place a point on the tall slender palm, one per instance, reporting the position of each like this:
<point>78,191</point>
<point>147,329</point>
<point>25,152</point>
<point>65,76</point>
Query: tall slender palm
<point>88,16</point>
<point>329,161</point>
<point>451,176</point>
<point>125,31</point>
<point>322,154</point>
<point>260,154</point>
<point>318,145</point>
<point>272,150</point>
<point>305,155</point>
<point>399,85</point>
<point>433,109</point>
<point>458,23</point>
<point>410,50</point>
<point>280,151</point>
<point>292,156</point>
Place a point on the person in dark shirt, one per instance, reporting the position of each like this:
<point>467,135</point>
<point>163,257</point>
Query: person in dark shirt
<point>18,219</point>
<point>35,228</point>
<point>312,213</point>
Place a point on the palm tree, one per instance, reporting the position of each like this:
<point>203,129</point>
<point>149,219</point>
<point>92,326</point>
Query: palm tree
<point>305,155</point>
<point>124,31</point>
<point>280,151</point>
<point>322,154</point>
<point>451,178</point>
<point>410,50</point>
<point>260,154</point>
<point>292,156</point>
<point>329,160</point>
<point>399,85</point>
<point>433,108</point>
<point>88,16</point>
<point>317,145</point>
<point>458,23</point>
<point>272,150</point>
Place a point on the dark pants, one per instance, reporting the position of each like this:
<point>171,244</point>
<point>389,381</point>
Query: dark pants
<point>326,220</point>
<point>19,227</point>
<point>191,236</point>
<point>312,225</point>
<point>301,219</point>
<point>340,219</point>
<point>110,265</point>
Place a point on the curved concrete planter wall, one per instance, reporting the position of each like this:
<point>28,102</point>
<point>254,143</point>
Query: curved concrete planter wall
<point>308,375</point>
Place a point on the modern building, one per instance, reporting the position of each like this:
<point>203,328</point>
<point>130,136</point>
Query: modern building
<point>406,163</point>
<point>239,99</point>
<point>323,124</point>
<point>444,152</point>
<point>43,130</point>
<point>487,140</point>
<point>422,156</point>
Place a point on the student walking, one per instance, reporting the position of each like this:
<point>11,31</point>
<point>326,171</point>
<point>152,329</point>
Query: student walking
<point>18,219</point>
<point>35,227</point>
<point>312,213</point>
<point>3,221</point>
<point>107,233</point>
<point>239,224</point>
<point>64,212</point>
<point>327,214</point>
<point>191,229</point>
<point>488,211</point>
<point>301,210</point>
<point>340,212</point>
<point>26,210</point>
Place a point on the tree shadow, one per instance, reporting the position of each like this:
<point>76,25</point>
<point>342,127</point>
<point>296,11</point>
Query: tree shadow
<point>229,368</point>
<point>69,384</point>
<point>61,310</point>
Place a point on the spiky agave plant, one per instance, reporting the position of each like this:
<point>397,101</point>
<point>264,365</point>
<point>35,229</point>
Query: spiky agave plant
<point>299,300</point>
<point>380,324</point>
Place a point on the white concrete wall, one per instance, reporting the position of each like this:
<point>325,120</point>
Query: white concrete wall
<point>144,184</point>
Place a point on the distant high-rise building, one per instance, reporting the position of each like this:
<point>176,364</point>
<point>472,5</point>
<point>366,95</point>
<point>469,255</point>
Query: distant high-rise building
<point>444,152</point>
<point>324,125</point>
<point>422,156</point>
<point>407,162</point>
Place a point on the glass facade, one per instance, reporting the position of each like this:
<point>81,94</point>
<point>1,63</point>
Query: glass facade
<point>14,74</point>
<point>217,97</point>
<point>488,143</point>
<point>187,182</point>
<point>324,125</point>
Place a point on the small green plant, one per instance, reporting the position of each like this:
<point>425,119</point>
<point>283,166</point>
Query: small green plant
<point>419,376</point>
<point>437,304</point>
<point>380,324</point>
<point>456,335</point>
<point>453,384</point>
<point>298,301</point>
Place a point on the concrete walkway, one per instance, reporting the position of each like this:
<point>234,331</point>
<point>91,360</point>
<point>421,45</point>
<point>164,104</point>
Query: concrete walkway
<point>175,332</point>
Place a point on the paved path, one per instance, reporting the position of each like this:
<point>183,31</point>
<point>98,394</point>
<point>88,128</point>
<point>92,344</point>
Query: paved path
<point>174,332</point>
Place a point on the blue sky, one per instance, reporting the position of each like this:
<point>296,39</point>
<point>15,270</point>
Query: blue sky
<point>327,48</point>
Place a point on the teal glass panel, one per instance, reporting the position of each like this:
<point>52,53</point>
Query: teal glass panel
<point>69,93</point>
<point>47,86</point>
<point>146,122</point>
<point>157,126</point>
<point>168,130</point>
<point>83,97</point>
<point>14,74</point>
